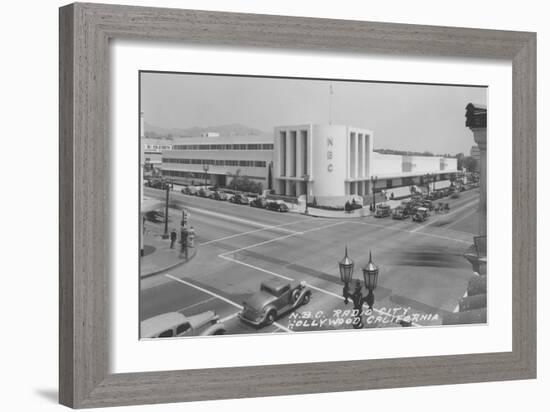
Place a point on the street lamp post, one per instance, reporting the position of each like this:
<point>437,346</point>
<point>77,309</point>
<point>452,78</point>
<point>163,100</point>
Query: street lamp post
<point>373,180</point>
<point>205,168</point>
<point>370,277</point>
<point>306,180</point>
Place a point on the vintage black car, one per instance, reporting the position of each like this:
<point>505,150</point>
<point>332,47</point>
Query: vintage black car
<point>239,199</point>
<point>218,195</point>
<point>400,213</point>
<point>382,211</point>
<point>432,196</point>
<point>158,184</point>
<point>420,215</point>
<point>279,206</point>
<point>260,202</point>
<point>274,298</point>
<point>202,192</point>
<point>189,190</point>
<point>428,204</point>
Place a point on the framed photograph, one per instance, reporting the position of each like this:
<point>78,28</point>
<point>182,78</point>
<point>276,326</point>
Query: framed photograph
<point>256,205</point>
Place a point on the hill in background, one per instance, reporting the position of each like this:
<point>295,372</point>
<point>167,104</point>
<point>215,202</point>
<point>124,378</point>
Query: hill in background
<point>234,129</point>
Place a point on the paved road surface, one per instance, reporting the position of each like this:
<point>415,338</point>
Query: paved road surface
<point>422,270</point>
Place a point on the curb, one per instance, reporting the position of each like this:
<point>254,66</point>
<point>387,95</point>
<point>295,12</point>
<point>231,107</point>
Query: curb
<point>349,216</point>
<point>156,272</point>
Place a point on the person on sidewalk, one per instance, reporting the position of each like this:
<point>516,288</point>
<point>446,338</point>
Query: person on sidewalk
<point>173,238</point>
<point>191,237</point>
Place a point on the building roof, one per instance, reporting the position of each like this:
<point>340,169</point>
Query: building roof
<point>228,139</point>
<point>157,141</point>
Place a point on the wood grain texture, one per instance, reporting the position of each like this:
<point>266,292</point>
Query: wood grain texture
<point>85,30</point>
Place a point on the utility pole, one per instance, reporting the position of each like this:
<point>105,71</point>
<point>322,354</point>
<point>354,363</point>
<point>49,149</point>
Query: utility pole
<point>165,235</point>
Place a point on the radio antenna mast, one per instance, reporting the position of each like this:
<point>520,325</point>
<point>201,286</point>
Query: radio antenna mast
<point>331,92</point>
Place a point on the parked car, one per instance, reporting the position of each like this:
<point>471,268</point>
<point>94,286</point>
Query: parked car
<point>174,324</point>
<point>158,184</point>
<point>420,215</point>
<point>382,211</point>
<point>432,196</point>
<point>260,202</point>
<point>189,190</point>
<point>278,206</point>
<point>428,204</point>
<point>239,199</point>
<point>274,298</point>
<point>218,195</point>
<point>204,192</point>
<point>400,213</point>
<point>455,195</point>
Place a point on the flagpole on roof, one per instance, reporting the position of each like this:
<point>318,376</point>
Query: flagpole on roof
<point>330,93</point>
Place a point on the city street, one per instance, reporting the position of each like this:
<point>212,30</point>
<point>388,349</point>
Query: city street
<point>422,271</point>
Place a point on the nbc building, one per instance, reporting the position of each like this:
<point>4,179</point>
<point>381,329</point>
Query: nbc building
<point>330,162</point>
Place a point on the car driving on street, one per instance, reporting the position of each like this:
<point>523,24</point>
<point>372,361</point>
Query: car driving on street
<point>274,298</point>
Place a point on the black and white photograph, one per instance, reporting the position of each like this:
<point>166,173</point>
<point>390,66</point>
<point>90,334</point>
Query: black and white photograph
<point>285,205</point>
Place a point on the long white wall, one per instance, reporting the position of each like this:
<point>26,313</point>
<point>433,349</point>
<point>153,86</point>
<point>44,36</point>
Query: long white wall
<point>395,165</point>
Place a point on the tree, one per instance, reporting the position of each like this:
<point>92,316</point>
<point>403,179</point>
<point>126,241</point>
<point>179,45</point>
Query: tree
<point>244,183</point>
<point>459,161</point>
<point>270,176</point>
<point>471,164</point>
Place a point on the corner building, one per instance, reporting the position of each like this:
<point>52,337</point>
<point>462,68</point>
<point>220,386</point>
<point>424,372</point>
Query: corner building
<point>331,162</point>
<point>336,162</point>
<point>324,160</point>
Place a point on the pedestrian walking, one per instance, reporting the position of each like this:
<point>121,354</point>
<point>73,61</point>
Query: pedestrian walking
<point>191,237</point>
<point>173,238</point>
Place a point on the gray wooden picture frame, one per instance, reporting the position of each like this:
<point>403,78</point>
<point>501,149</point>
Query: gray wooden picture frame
<point>85,31</point>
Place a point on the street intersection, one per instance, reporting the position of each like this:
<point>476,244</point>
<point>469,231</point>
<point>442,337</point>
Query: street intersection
<point>422,271</point>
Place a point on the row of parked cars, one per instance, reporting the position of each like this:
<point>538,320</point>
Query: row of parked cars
<point>403,211</point>
<point>275,205</point>
<point>419,206</point>
<point>237,198</point>
<point>157,183</point>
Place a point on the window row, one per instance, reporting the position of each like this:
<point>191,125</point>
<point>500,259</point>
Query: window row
<point>157,147</point>
<point>255,146</point>
<point>241,163</point>
<point>197,175</point>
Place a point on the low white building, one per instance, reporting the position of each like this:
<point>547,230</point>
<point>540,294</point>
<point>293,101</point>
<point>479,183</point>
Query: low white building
<point>330,162</point>
<point>218,159</point>
<point>152,150</point>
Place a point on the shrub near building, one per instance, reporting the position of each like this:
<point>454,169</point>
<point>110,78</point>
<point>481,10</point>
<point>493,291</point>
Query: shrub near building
<point>244,184</point>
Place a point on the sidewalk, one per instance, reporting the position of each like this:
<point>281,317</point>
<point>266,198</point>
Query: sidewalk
<point>158,257</point>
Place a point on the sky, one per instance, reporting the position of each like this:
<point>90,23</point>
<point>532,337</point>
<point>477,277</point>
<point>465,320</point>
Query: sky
<point>409,117</point>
